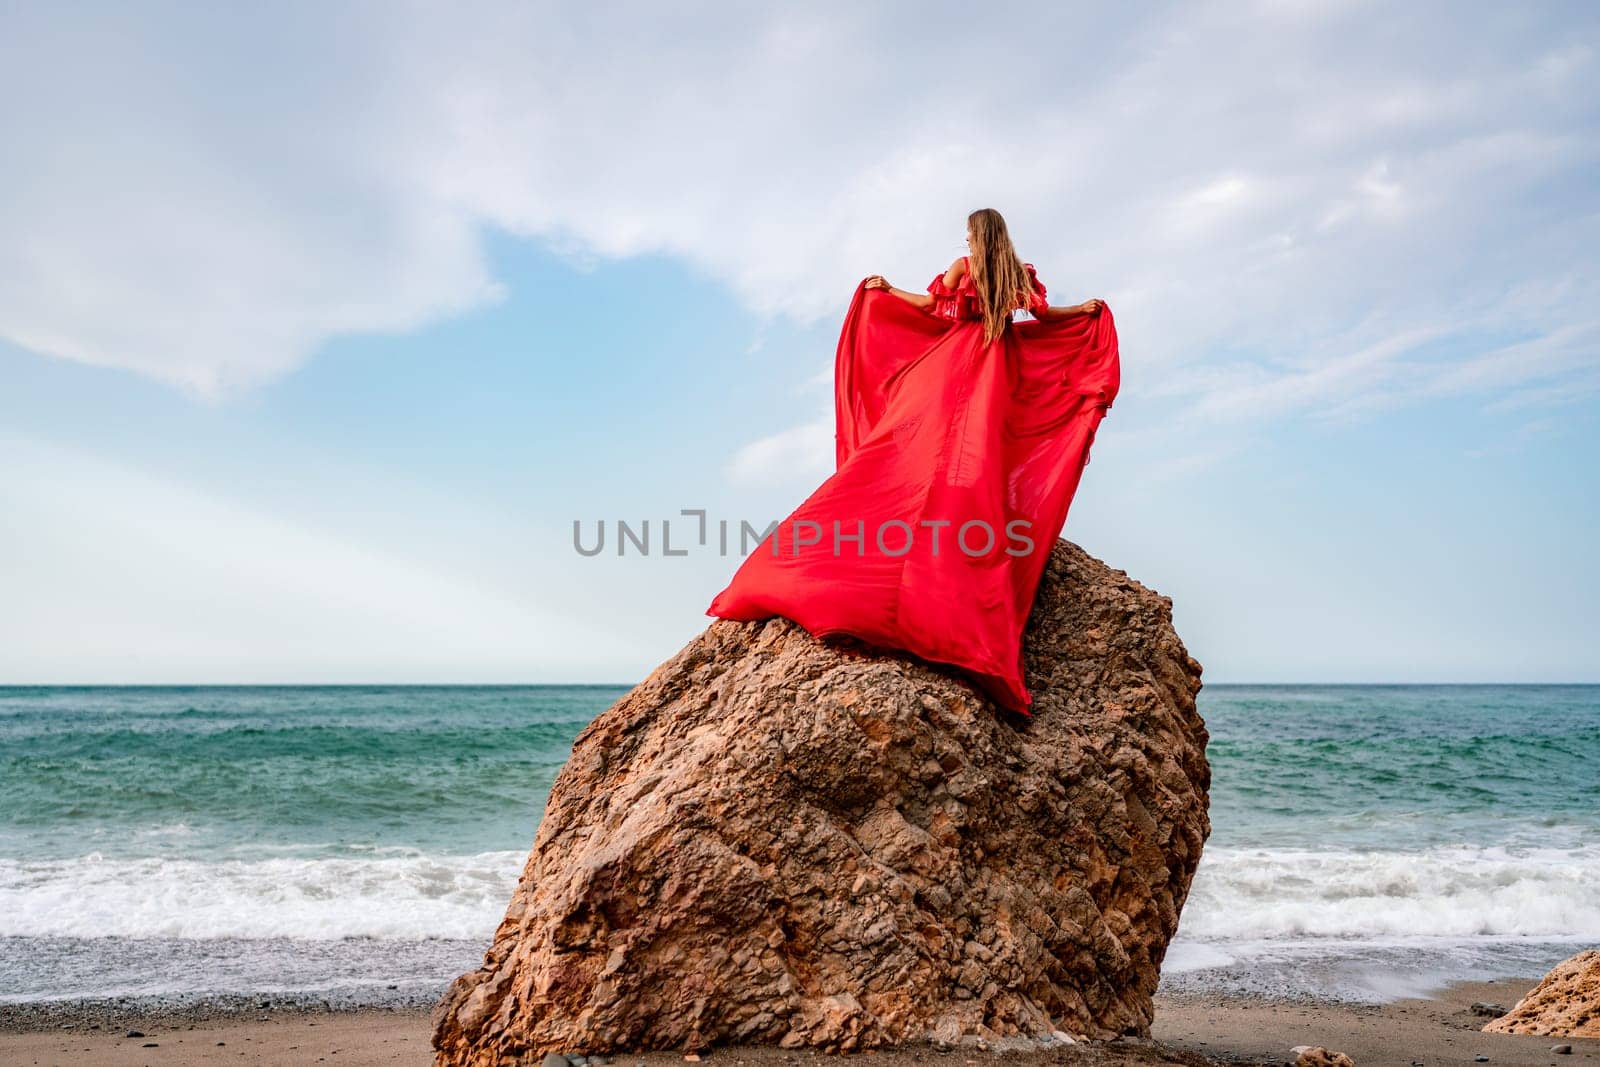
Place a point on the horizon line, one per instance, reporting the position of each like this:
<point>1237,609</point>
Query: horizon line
<point>631,685</point>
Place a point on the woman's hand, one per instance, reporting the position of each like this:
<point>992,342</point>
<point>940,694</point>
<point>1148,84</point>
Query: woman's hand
<point>1089,307</point>
<point>878,281</point>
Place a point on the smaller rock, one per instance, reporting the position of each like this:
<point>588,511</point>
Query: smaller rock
<point>150,1044</point>
<point>1317,1056</point>
<point>554,1059</point>
<point>946,1031</point>
<point>1018,1043</point>
<point>1480,1059</point>
<point>1063,1037</point>
<point>1561,1050</point>
<point>1481,1008</point>
<point>135,1033</point>
<point>1565,1003</point>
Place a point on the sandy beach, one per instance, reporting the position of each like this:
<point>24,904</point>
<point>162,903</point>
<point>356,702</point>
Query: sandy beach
<point>1189,1029</point>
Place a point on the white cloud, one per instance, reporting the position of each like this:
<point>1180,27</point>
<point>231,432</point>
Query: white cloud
<point>113,575</point>
<point>804,453</point>
<point>1247,177</point>
<point>1554,355</point>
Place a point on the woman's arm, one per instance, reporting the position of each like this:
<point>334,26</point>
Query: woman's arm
<point>921,300</point>
<point>1088,307</point>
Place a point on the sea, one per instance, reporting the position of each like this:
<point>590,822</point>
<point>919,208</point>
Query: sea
<point>357,845</point>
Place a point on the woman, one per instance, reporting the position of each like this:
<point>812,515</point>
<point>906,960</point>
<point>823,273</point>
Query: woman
<point>961,438</point>
<point>1001,271</point>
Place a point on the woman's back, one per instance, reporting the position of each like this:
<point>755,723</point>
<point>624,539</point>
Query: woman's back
<point>962,301</point>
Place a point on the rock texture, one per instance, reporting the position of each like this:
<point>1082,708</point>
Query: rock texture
<point>1317,1056</point>
<point>774,839</point>
<point>1565,1003</point>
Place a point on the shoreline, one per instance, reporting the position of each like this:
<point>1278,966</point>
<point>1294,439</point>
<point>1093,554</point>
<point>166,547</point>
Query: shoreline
<point>1190,1027</point>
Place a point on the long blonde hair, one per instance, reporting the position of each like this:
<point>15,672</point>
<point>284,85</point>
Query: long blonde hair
<point>997,272</point>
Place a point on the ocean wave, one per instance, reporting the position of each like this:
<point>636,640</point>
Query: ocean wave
<point>396,893</point>
<point>1448,891</point>
<point>1238,895</point>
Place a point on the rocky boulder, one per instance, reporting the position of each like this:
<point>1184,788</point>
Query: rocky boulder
<point>777,839</point>
<point>1565,1003</point>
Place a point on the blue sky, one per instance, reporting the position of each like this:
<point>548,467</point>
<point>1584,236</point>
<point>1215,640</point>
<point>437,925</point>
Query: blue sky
<point>318,331</point>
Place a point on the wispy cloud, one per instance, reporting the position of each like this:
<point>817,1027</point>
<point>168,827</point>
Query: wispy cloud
<point>803,453</point>
<point>117,575</point>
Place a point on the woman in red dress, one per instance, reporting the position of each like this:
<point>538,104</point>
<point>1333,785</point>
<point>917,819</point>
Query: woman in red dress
<point>961,438</point>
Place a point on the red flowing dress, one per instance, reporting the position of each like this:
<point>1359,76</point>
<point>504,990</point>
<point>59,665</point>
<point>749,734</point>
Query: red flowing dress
<point>956,463</point>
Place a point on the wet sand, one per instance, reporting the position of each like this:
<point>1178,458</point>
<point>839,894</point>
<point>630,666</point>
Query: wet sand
<point>1190,1029</point>
<point>1433,1031</point>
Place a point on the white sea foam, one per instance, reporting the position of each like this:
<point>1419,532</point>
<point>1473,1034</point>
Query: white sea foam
<point>396,893</point>
<point>1241,899</point>
<point>1240,895</point>
<point>1373,925</point>
<point>1185,955</point>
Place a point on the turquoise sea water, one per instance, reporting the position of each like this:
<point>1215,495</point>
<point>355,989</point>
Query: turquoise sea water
<point>363,841</point>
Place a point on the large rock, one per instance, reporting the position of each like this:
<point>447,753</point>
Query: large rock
<point>774,839</point>
<point>1565,1003</point>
